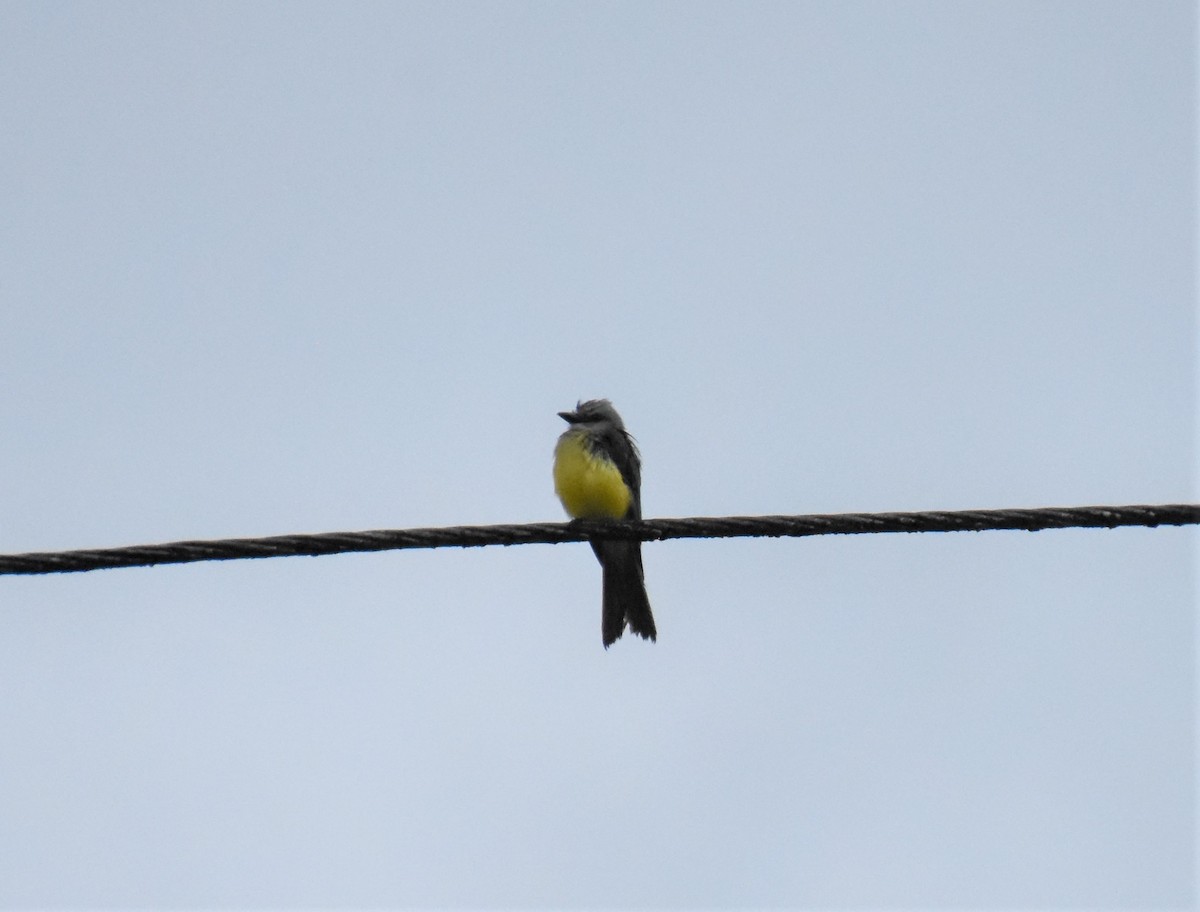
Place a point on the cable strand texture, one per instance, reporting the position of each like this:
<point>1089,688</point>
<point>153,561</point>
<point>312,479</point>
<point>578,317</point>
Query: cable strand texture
<point>183,552</point>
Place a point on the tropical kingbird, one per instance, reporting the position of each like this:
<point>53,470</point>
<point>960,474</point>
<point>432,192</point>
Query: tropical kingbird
<point>598,475</point>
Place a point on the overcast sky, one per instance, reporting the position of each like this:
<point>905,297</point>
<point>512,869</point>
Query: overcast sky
<point>300,267</point>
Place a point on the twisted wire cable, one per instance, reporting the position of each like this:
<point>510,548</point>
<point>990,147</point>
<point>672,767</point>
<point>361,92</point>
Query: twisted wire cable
<point>183,552</point>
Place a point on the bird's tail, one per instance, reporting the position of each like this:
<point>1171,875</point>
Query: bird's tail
<point>625,598</point>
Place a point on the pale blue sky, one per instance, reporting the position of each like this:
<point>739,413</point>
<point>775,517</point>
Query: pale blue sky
<point>272,268</point>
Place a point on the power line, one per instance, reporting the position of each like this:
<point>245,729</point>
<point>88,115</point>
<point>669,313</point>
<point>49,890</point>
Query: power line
<point>184,552</point>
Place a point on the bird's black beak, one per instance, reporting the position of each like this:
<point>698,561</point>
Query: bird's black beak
<point>569,417</point>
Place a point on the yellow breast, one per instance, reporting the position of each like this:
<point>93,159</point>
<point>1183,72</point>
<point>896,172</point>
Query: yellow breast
<point>589,485</point>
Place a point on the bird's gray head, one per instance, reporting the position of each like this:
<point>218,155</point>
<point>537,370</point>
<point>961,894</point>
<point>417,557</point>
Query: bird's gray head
<point>593,412</point>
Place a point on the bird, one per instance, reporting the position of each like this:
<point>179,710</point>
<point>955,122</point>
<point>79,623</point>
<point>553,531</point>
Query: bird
<point>598,475</point>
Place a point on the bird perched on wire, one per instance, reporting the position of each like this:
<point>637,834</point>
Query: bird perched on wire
<point>598,475</point>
